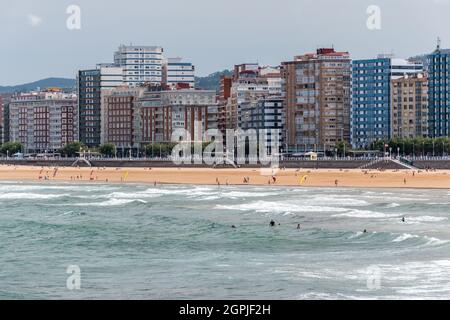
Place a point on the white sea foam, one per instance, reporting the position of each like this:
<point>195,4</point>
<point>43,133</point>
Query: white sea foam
<point>33,187</point>
<point>241,194</point>
<point>111,202</point>
<point>435,241</point>
<point>30,196</point>
<point>279,207</point>
<point>356,235</point>
<point>134,195</point>
<point>336,200</point>
<point>393,205</point>
<point>404,237</point>
<point>364,214</point>
<point>426,219</point>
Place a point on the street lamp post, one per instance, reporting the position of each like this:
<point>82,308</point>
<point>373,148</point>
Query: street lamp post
<point>398,152</point>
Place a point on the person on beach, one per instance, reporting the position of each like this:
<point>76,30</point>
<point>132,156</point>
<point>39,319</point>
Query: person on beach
<point>336,182</point>
<point>404,181</point>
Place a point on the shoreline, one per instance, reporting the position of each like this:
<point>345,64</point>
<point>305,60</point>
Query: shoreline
<point>340,178</point>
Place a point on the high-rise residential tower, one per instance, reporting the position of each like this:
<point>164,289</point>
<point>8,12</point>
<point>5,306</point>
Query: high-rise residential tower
<point>141,64</point>
<point>92,86</point>
<point>439,93</point>
<point>316,90</point>
<point>409,112</point>
<point>371,96</point>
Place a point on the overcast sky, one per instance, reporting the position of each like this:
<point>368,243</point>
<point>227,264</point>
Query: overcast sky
<point>213,34</point>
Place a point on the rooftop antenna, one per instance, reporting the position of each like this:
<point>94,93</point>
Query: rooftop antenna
<point>438,43</point>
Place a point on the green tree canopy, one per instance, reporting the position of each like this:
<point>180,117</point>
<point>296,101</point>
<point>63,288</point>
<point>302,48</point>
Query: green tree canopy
<point>72,149</point>
<point>107,149</point>
<point>11,148</point>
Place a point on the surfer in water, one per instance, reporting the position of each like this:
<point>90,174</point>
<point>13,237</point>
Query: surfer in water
<point>272,223</point>
<point>403,219</point>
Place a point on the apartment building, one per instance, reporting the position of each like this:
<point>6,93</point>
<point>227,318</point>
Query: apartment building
<point>265,115</point>
<point>224,95</point>
<point>371,96</point>
<point>177,72</point>
<point>409,112</point>
<point>316,88</point>
<point>250,83</point>
<point>43,121</point>
<point>141,64</point>
<point>120,117</point>
<point>93,85</point>
<point>137,116</point>
<point>439,93</point>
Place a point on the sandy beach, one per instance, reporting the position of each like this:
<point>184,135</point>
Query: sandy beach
<point>210,176</point>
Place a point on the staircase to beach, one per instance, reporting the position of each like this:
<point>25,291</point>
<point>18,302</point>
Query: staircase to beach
<point>388,164</point>
<point>82,162</point>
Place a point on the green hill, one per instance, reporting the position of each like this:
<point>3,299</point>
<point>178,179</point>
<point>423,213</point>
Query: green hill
<point>42,84</point>
<point>211,82</point>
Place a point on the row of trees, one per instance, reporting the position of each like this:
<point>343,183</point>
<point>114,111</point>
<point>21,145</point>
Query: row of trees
<point>405,146</point>
<point>418,146</point>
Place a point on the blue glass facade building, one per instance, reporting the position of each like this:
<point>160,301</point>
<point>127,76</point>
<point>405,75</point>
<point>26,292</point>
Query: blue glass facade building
<point>370,101</point>
<point>371,97</point>
<point>439,93</point>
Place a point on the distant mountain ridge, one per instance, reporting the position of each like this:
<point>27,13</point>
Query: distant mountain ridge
<point>42,84</point>
<point>210,82</point>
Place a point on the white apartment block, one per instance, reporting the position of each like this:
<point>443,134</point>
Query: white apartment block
<point>141,64</point>
<point>177,71</point>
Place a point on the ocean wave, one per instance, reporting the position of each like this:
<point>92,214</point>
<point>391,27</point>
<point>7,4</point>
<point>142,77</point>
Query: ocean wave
<point>404,237</point>
<point>279,207</point>
<point>109,203</point>
<point>30,196</point>
<point>33,187</point>
<point>428,241</point>
<point>364,214</point>
<point>337,200</point>
<point>431,241</point>
<point>426,219</point>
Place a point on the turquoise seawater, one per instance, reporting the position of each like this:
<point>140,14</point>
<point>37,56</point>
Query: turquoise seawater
<point>176,242</point>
